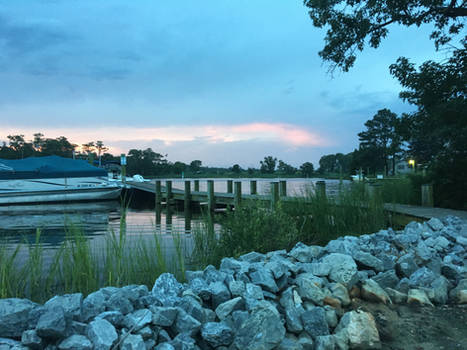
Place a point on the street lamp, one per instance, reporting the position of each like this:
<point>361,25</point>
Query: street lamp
<point>412,164</point>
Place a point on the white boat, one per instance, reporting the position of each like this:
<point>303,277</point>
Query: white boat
<point>53,179</point>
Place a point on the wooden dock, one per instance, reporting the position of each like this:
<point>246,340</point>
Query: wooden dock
<point>278,191</point>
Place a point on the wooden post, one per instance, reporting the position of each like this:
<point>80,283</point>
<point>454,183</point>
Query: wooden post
<point>187,197</point>
<point>229,186</point>
<point>123,167</point>
<point>238,193</point>
<point>168,191</point>
<point>253,187</point>
<point>196,186</point>
<point>158,196</point>
<point>373,190</point>
<point>427,195</point>
<point>211,199</point>
<point>282,188</point>
<point>274,195</point>
<point>321,188</point>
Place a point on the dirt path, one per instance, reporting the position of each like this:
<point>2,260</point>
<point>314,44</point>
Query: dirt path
<point>405,327</point>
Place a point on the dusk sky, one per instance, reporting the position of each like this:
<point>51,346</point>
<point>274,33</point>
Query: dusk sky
<point>222,81</point>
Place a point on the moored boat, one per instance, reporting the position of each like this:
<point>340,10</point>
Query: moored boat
<point>53,179</point>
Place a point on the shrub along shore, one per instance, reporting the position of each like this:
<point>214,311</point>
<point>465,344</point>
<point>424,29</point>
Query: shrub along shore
<point>296,299</point>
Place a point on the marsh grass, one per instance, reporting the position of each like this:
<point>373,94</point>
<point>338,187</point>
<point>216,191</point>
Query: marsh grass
<point>79,266</point>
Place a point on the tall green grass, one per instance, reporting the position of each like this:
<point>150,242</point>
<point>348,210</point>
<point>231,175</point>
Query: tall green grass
<point>78,266</point>
<point>313,219</point>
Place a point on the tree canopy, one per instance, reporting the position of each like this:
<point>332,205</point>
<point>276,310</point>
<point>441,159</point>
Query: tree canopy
<point>352,24</point>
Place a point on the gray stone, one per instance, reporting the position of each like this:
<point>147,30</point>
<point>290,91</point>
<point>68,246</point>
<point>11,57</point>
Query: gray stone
<point>186,324</point>
<point>367,260</point>
<point>372,291</point>
<point>191,275</point>
<point>253,291</point>
<point>119,302</point>
<point>423,252</point>
<point>14,316</point>
<point>167,289</point>
<point>396,296</point>
<point>263,329</point>
<point>211,275</point>
<point>52,324</point>
<point>75,342</point>
<point>148,332</point>
<point>265,279</point>
<point>451,271</point>
<point>306,341</point>
<point>277,267</point>
<point>341,293</point>
<point>102,334</point>
<point>320,269</point>
<point>289,344</point>
<point>237,288</point>
<point>163,336</point>
<point>114,317</point>
<point>387,279</point>
<point>314,322</point>
<point>331,316</point>
<point>138,319</point>
<point>440,288</point>
<point>359,328</point>
<point>325,342</point>
<point>293,318</point>
<point>343,245</point>
<point>406,265</point>
<point>403,285</point>
<point>217,334</point>
<point>93,305</point>
<point>226,308</point>
<point>231,264</point>
<point>70,303</point>
<point>304,253</point>
<point>164,346</point>
<point>133,342</point>
<point>343,268</point>
<point>192,307</point>
<point>461,240</point>
<point>164,316</point>
<point>252,257</point>
<point>201,288</point>
<point>418,296</point>
<point>423,277</point>
<point>435,224</point>
<point>309,289</point>
<point>219,293</point>
<point>30,339</point>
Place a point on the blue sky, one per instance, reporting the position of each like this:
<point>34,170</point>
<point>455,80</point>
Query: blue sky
<point>221,81</point>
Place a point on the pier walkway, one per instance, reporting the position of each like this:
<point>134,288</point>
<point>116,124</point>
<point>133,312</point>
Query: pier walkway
<point>278,191</point>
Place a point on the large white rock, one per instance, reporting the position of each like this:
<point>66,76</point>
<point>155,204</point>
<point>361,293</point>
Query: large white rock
<point>359,328</point>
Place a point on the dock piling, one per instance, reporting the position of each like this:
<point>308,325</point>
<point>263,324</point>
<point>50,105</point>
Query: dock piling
<point>168,189</point>
<point>196,185</point>
<point>238,194</point>
<point>158,196</point>
<point>274,195</point>
<point>187,197</point>
<point>253,187</point>
<point>229,186</point>
<point>283,188</point>
<point>320,188</point>
<point>427,195</point>
<point>211,199</point>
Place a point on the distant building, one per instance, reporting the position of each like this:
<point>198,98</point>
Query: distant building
<point>403,167</point>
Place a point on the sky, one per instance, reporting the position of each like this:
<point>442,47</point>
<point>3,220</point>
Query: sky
<point>223,81</point>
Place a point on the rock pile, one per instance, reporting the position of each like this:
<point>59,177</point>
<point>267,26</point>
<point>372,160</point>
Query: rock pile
<point>280,300</point>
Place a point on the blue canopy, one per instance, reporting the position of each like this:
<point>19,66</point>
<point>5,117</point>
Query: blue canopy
<point>47,167</point>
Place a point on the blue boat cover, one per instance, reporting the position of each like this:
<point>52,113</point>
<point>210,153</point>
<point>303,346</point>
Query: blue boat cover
<point>47,167</point>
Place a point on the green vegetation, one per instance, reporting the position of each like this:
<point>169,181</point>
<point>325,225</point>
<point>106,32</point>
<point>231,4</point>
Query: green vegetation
<point>314,219</point>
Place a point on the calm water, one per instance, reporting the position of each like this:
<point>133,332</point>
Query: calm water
<point>18,223</point>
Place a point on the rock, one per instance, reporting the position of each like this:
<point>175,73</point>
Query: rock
<point>231,264</point>
<point>304,253</point>
<point>114,317</point>
<point>325,342</point>
<point>320,269</point>
<point>164,346</point>
<point>309,290</point>
<point>440,288</point>
<point>252,257</point>
<point>423,252</point>
<point>219,293</point>
<point>314,322</point>
<point>75,342</point>
<point>164,316</point>
<point>191,275</point>
<point>201,288</point>
<point>459,293</point>
<point>167,289</point>
<point>70,303</point>
<point>418,296</point>
<point>133,342</point>
<point>217,334</point>
<point>119,302</point>
<point>331,316</point>
<point>406,265</point>
<point>396,296</point>
<point>293,318</point>
<point>211,275</point>
<point>423,277</point>
<point>52,324</point>
<point>289,344</point>
<point>265,279</point>
<point>138,319</point>
<point>372,291</point>
<point>185,323</point>
<point>435,224</point>
<point>306,341</point>
<point>102,334</point>
<point>30,339</point>
<point>359,328</point>
<point>262,329</point>
<point>341,293</point>
<point>237,288</point>
<point>387,279</point>
<point>343,268</point>
<point>93,305</point>
<point>451,271</point>
<point>366,260</point>
<point>253,291</point>
<point>14,316</point>
<point>226,308</point>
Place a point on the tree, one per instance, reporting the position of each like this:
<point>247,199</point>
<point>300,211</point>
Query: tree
<point>20,147</point>
<point>100,149</point>
<point>38,141</point>
<point>307,169</point>
<point>195,165</point>
<point>236,169</point>
<point>59,147</point>
<point>285,168</point>
<point>353,24</point>
<point>268,165</point>
<point>88,148</point>
<point>381,138</point>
